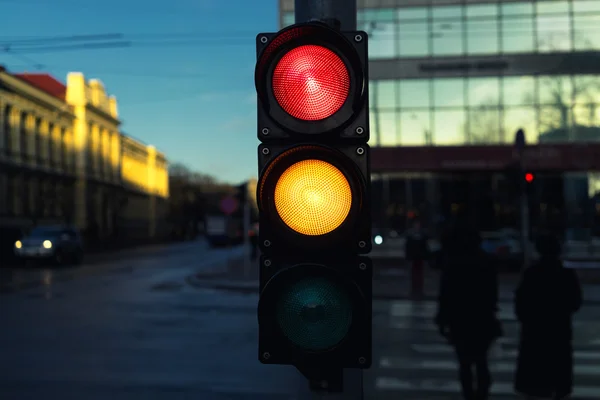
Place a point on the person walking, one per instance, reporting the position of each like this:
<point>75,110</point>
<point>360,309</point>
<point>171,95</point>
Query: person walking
<point>545,301</point>
<point>467,306</point>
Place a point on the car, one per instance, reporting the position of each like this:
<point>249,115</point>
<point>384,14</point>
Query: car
<point>58,244</point>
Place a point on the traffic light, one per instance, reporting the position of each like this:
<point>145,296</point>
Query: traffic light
<point>529,177</point>
<point>313,197</point>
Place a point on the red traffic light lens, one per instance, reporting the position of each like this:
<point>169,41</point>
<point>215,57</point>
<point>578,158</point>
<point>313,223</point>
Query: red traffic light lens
<point>311,82</point>
<point>529,177</point>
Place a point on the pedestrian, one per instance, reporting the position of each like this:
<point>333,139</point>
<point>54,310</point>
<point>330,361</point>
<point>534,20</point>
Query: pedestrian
<point>545,301</point>
<point>417,253</point>
<point>467,306</point>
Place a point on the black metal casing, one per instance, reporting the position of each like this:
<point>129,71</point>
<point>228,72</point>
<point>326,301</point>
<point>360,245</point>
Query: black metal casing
<point>354,273</point>
<point>350,123</point>
<point>354,236</point>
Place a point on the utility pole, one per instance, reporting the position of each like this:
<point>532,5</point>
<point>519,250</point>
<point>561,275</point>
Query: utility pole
<point>520,147</point>
<point>340,14</point>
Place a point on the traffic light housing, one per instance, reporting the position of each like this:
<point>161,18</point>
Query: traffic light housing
<point>313,196</point>
<point>333,104</point>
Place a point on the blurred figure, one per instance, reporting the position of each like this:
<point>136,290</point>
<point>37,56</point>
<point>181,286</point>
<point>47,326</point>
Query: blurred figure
<point>467,307</point>
<point>545,302</point>
<point>417,252</point>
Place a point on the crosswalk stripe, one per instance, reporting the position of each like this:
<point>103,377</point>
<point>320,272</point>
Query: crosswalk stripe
<point>386,383</point>
<point>433,357</point>
<point>451,365</point>
<point>497,352</point>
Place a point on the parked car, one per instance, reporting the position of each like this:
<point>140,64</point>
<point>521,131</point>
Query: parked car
<point>57,244</point>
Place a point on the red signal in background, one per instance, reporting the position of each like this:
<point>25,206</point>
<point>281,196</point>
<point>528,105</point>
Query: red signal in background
<point>529,177</point>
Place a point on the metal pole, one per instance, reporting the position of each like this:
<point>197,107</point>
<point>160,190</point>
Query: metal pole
<point>343,11</point>
<point>525,224</point>
<point>342,15</point>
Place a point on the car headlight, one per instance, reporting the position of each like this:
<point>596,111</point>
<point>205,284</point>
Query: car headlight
<point>18,244</point>
<point>47,244</point>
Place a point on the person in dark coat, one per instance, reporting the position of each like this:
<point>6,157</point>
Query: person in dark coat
<point>545,301</point>
<point>467,306</point>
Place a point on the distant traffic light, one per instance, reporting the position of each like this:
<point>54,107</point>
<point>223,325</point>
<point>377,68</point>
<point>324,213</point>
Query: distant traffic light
<point>314,197</point>
<point>529,177</point>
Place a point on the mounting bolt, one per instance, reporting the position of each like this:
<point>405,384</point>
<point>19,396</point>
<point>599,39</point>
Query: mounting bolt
<point>362,266</point>
<point>358,38</point>
<point>362,360</point>
<point>359,130</point>
<point>267,263</point>
<point>266,151</point>
<point>361,244</point>
<point>267,243</point>
<point>266,355</point>
<point>360,151</point>
<point>265,131</point>
<point>263,39</point>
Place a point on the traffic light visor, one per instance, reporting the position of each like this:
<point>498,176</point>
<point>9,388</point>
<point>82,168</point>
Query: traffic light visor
<point>313,197</point>
<point>314,313</point>
<point>311,82</point>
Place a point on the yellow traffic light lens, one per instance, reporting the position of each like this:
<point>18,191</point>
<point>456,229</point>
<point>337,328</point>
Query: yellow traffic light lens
<point>313,197</point>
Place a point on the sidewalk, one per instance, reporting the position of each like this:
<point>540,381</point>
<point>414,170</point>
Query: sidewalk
<point>388,283</point>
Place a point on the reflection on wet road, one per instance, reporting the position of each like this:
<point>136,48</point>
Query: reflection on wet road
<point>133,329</point>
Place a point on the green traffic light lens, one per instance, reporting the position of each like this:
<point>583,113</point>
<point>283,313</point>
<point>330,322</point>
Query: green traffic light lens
<point>314,314</point>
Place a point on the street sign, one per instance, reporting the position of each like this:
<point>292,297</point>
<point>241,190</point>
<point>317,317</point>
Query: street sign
<point>229,205</point>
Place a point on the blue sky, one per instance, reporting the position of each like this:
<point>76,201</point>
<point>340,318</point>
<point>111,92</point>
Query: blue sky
<point>186,83</point>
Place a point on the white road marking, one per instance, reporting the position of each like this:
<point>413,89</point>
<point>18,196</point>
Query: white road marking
<point>451,365</point>
<point>385,383</point>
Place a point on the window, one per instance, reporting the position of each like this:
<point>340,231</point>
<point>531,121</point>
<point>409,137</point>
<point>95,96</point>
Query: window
<point>288,19</point>
<point>555,90</point>
<point>483,92</point>
<point>483,125</point>
<point>50,138</point>
<point>586,6</point>
<point>586,31</point>
<point>383,40</point>
<point>23,135</point>
<point>553,26</point>
<point>6,129</point>
<point>518,91</point>
<point>388,128</point>
<point>449,92</point>
<point>449,127</point>
<point>386,94</point>
<point>447,31</point>
<point>518,34</point>
<point>413,39</point>
<point>38,139</point>
<point>415,128</point>
<point>374,128</point>
<point>586,89</point>
<point>412,13</point>
<point>415,93</point>
<point>482,36</point>
<point>482,10</point>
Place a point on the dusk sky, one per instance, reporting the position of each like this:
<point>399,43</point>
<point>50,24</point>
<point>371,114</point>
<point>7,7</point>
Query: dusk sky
<point>185,84</point>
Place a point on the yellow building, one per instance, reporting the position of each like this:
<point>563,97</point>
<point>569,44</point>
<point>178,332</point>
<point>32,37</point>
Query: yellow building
<point>63,159</point>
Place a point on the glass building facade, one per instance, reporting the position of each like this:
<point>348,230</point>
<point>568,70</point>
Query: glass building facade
<point>473,73</point>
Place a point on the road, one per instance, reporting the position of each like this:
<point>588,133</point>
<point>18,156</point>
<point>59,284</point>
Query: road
<point>134,329</point>
<point>411,361</point>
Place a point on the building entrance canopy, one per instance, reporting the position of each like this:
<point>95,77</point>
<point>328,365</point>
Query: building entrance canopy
<point>542,157</point>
